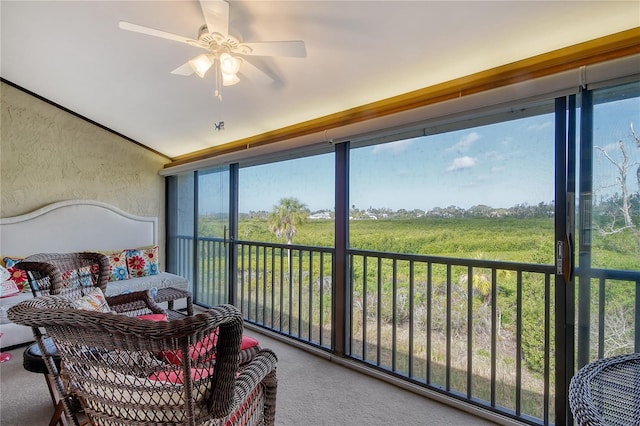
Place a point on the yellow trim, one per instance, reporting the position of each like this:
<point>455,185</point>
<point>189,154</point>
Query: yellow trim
<point>606,48</point>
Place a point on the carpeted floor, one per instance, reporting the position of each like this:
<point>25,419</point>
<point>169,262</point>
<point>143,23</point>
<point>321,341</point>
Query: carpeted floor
<point>311,391</point>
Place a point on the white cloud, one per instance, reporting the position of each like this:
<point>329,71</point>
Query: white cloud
<point>460,163</point>
<point>465,142</point>
<point>495,156</point>
<point>394,147</point>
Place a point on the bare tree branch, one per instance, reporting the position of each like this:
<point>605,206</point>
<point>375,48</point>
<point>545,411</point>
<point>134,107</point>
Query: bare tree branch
<point>624,206</point>
<point>636,137</point>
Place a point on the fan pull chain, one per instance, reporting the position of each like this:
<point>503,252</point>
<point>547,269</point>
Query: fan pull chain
<point>218,91</point>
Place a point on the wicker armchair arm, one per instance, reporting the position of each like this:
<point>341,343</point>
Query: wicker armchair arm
<point>37,272</point>
<point>260,366</point>
<point>260,370</point>
<point>134,301</point>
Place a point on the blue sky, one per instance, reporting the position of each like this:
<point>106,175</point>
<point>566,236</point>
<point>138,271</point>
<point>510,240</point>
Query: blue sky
<point>499,165</point>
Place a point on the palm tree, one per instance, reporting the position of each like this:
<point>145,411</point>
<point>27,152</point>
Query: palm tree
<point>286,217</point>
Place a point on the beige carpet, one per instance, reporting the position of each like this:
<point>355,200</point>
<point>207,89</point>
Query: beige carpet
<point>311,391</point>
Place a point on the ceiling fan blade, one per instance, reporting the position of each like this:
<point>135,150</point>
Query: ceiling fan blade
<point>157,33</point>
<point>184,69</point>
<point>294,48</point>
<point>253,73</point>
<point>216,15</point>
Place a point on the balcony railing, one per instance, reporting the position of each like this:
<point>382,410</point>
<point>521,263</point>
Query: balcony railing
<point>476,330</point>
<point>456,326</point>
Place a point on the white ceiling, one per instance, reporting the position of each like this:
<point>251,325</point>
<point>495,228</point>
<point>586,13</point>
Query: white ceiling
<point>73,53</point>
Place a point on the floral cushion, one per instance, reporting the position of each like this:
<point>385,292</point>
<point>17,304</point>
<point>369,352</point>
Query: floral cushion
<point>142,261</point>
<point>94,300</point>
<point>18,276</point>
<point>117,265</point>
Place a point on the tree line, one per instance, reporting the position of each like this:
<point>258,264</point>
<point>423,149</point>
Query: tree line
<point>521,211</point>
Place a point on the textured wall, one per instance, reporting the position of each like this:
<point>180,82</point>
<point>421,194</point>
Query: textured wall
<point>48,155</point>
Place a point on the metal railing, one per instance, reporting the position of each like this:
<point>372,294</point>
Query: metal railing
<point>476,330</point>
<point>458,326</point>
<point>287,289</point>
<point>608,313</point>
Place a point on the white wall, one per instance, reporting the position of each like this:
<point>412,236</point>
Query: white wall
<point>48,155</point>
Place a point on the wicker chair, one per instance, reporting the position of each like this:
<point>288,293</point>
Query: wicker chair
<point>72,275</point>
<point>132,371</point>
<point>607,392</point>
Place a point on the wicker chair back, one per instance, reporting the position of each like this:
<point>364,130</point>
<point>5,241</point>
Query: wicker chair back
<point>66,274</point>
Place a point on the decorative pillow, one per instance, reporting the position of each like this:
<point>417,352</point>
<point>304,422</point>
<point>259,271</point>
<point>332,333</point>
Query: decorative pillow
<point>80,277</point>
<point>18,276</point>
<point>94,300</point>
<point>142,261</point>
<point>117,265</point>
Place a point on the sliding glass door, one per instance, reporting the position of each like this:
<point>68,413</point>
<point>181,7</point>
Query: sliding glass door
<point>198,232</point>
<point>608,211</point>
<point>212,248</point>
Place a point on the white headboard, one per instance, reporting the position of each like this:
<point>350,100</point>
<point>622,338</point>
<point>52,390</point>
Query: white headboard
<point>75,225</point>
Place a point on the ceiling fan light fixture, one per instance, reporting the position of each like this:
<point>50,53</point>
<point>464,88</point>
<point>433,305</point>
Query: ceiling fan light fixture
<point>201,64</point>
<point>229,65</point>
<point>229,79</point>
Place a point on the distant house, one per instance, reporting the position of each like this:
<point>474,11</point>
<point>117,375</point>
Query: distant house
<point>320,215</point>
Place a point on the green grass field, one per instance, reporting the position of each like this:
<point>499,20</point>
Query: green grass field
<point>508,239</point>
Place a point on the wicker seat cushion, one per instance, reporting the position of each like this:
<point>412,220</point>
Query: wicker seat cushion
<point>124,389</point>
<point>136,398</point>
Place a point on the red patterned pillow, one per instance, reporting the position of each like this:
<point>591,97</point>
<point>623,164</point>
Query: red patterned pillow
<point>18,276</point>
<point>142,261</point>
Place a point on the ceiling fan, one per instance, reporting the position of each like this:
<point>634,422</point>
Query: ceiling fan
<point>226,54</point>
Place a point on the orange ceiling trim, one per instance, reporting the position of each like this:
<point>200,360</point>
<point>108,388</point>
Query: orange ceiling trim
<point>606,48</point>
